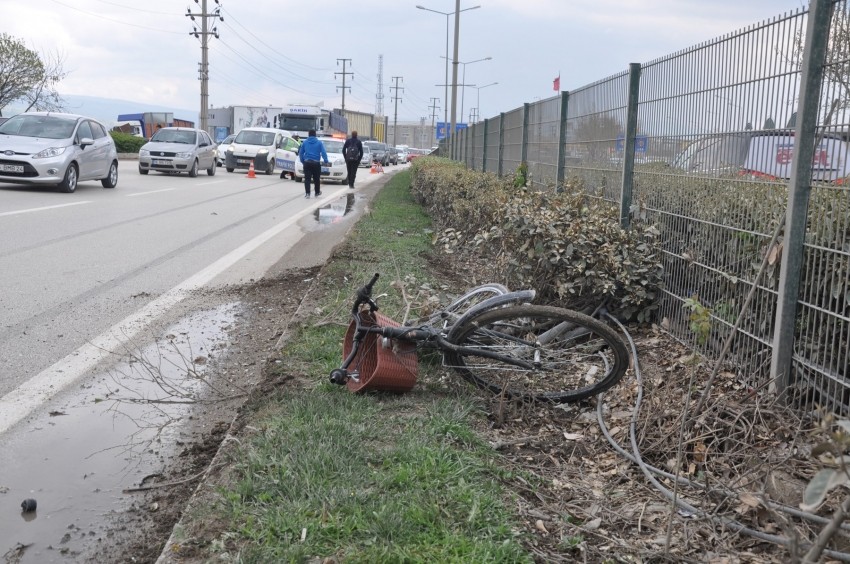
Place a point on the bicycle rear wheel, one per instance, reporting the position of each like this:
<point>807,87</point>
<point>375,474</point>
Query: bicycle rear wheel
<point>457,308</point>
<point>567,356</point>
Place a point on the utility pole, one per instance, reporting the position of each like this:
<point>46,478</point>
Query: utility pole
<point>395,115</point>
<point>433,107</point>
<point>379,97</point>
<point>343,73</point>
<point>204,66</point>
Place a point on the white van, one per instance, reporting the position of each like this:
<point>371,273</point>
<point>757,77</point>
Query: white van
<point>764,154</point>
<point>265,147</point>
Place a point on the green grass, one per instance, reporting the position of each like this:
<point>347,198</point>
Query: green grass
<point>366,478</point>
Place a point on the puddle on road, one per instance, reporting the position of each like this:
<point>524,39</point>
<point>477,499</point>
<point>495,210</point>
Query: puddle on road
<point>91,443</point>
<point>335,211</point>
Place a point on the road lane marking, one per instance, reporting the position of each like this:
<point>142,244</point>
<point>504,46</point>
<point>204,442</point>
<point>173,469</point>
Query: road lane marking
<point>212,182</point>
<point>26,398</point>
<point>16,212</point>
<point>151,192</point>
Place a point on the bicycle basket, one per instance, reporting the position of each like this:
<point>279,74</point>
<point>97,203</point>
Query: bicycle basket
<point>391,369</point>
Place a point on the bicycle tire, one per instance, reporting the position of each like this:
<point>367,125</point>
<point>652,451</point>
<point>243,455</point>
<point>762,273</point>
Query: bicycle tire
<point>509,299</point>
<point>587,358</point>
<point>459,306</point>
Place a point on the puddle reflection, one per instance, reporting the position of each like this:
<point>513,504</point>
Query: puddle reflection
<point>335,211</point>
<point>76,457</point>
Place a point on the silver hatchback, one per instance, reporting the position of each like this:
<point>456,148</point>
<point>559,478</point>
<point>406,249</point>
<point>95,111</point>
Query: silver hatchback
<point>178,149</point>
<point>48,148</point>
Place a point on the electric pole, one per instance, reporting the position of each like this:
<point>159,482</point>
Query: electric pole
<point>433,107</point>
<point>204,66</point>
<point>395,116</point>
<point>379,97</point>
<point>343,73</point>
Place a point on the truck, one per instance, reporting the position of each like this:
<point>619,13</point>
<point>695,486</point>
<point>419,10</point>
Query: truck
<point>298,119</point>
<point>145,124</point>
<point>232,119</point>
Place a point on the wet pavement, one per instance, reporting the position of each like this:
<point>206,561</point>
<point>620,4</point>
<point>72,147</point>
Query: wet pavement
<point>335,211</point>
<point>116,431</point>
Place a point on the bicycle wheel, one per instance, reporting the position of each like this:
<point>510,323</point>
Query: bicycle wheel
<point>457,308</point>
<point>538,353</point>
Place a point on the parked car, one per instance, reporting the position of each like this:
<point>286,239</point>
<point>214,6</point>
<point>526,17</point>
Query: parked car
<point>222,147</point>
<point>48,148</point>
<point>380,153</point>
<point>257,145</point>
<point>392,155</point>
<point>403,153</point>
<point>178,149</point>
<point>366,159</point>
<point>337,170</point>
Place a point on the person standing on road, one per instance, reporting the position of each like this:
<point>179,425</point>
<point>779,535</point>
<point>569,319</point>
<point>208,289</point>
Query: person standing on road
<point>310,152</point>
<point>352,150</point>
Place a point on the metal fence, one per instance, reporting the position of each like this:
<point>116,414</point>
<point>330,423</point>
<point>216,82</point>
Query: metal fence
<point>721,146</point>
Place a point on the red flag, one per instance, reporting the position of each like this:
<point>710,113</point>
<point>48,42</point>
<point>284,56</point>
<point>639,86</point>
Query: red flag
<point>556,84</point>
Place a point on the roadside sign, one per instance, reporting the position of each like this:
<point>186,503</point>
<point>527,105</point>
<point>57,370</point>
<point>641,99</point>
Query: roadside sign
<point>443,127</point>
<point>641,143</point>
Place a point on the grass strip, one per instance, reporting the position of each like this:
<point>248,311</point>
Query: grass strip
<point>375,477</point>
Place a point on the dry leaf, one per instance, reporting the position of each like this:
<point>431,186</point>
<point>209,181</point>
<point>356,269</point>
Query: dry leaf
<point>541,527</point>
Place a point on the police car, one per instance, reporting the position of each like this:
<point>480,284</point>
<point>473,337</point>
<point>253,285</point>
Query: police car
<point>264,147</point>
<point>336,171</point>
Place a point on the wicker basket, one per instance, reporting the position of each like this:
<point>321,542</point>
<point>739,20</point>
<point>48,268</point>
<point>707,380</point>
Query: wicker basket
<point>391,369</point>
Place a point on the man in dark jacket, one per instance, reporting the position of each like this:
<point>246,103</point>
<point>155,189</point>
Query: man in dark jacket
<point>310,152</point>
<point>352,150</point>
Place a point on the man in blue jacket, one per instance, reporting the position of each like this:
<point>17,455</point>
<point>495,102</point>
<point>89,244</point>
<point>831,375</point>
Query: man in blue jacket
<point>310,152</point>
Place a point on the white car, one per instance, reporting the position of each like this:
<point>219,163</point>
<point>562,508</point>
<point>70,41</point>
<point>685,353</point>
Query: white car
<point>336,171</point>
<point>39,148</point>
<point>222,147</point>
<point>258,145</point>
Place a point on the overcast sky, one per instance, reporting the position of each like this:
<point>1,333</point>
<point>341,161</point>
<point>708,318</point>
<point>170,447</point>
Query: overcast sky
<point>276,52</point>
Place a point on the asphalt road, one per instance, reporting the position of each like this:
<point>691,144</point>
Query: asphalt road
<point>80,272</point>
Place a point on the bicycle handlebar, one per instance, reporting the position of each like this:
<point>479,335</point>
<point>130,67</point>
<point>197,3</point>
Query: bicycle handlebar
<point>364,296</point>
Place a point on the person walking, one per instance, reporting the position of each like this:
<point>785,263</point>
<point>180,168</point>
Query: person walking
<point>310,152</point>
<point>352,150</point>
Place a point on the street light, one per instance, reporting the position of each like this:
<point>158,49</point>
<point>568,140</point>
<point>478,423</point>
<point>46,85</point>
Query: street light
<point>447,14</point>
<point>463,80</point>
<point>478,109</point>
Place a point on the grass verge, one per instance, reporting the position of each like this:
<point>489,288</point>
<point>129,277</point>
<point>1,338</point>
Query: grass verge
<point>374,477</point>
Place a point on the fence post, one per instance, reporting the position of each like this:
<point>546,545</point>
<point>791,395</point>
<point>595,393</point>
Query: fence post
<point>467,135</point>
<point>562,142</point>
<point>629,148</point>
<point>799,188</point>
<point>484,148</point>
<point>499,170</point>
<point>524,149</point>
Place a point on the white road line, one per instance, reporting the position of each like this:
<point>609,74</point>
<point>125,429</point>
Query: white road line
<point>151,192</point>
<point>210,183</point>
<point>26,398</point>
<point>45,208</point>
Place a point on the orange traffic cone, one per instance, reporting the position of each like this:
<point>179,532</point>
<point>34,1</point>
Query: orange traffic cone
<point>374,169</point>
<point>251,173</point>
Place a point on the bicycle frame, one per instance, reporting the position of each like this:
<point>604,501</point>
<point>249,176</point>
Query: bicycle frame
<point>425,335</point>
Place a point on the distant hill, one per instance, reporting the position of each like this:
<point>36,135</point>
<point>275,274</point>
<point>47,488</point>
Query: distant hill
<point>107,109</point>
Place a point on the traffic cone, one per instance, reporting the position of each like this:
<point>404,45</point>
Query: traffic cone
<point>251,173</point>
<point>374,169</point>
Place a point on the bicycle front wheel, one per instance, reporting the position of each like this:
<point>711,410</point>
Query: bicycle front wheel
<point>538,353</point>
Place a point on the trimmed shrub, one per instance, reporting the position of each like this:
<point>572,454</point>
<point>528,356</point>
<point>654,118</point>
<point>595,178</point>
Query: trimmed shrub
<point>126,143</point>
<point>565,245</point>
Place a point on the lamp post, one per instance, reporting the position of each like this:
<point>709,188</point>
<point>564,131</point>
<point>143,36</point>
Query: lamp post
<point>447,14</point>
<point>463,83</point>
<point>478,88</point>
